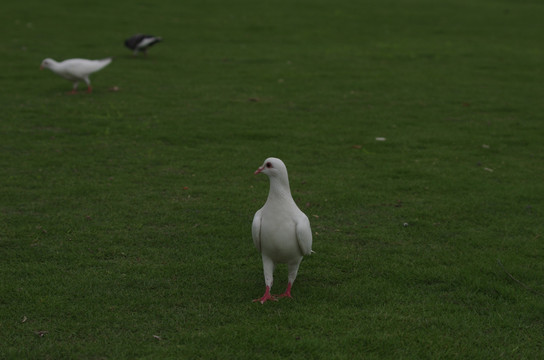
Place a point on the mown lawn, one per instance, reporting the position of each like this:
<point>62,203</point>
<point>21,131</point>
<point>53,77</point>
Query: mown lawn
<point>125,216</point>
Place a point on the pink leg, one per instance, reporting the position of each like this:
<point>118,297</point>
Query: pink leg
<point>266,296</point>
<point>89,89</point>
<point>287,292</point>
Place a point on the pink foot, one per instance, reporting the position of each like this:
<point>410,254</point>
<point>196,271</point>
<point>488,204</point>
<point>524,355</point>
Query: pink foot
<point>266,296</point>
<point>287,292</point>
<point>73,92</point>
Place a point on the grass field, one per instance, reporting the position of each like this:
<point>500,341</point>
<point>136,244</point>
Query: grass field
<point>125,216</point>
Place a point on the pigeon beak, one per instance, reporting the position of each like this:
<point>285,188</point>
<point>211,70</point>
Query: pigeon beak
<point>259,170</point>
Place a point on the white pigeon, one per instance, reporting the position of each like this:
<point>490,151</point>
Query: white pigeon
<point>76,70</point>
<point>281,232</point>
<point>141,42</point>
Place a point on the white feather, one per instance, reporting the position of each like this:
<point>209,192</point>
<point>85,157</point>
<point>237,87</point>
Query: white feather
<point>75,70</point>
<point>281,231</point>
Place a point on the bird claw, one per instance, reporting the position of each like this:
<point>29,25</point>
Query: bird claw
<point>287,292</point>
<point>270,297</point>
<point>288,295</point>
<point>266,298</point>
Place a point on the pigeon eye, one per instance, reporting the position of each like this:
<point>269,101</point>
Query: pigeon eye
<point>269,164</point>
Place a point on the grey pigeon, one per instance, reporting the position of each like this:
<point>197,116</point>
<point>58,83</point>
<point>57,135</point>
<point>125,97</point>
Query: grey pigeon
<point>141,42</point>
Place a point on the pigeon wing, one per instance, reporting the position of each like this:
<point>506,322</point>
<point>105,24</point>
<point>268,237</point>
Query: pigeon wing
<point>148,41</point>
<point>133,41</point>
<point>81,68</point>
<point>256,229</point>
<point>304,234</point>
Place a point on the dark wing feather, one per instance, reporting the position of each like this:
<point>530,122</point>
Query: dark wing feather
<point>133,41</point>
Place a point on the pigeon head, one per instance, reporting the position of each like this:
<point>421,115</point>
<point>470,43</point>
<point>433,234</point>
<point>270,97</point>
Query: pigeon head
<point>276,171</point>
<point>272,167</point>
<point>46,63</point>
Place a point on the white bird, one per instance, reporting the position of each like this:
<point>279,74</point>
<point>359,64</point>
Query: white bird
<point>141,42</point>
<point>281,232</point>
<point>76,70</point>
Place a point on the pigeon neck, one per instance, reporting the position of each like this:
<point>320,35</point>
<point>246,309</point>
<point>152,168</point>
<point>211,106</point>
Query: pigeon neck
<point>54,65</point>
<point>279,187</point>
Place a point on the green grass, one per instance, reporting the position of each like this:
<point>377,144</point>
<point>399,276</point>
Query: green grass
<point>125,217</point>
